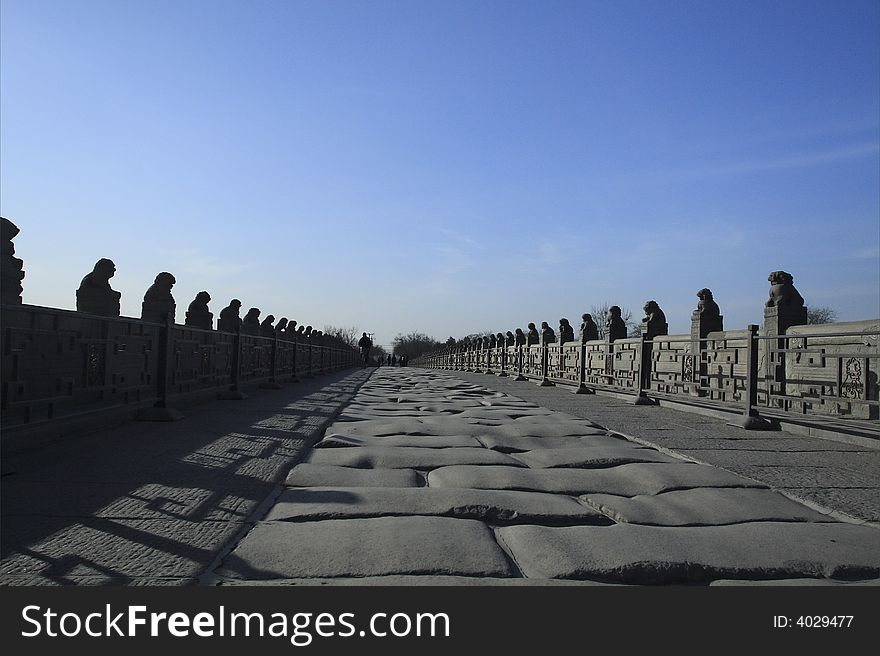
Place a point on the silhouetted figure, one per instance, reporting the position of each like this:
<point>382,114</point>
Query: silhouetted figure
<point>393,360</point>
<point>511,340</point>
<point>707,317</point>
<point>403,360</point>
<point>388,359</point>
<point>589,329</point>
<point>532,337</point>
<point>281,328</point>
<point>365,344</point>
<point>547,334</point>
<point>159,304</point>
<point>267,328</point>
<point>229,320</point>
<point>11,267</point>
<point>520,337</point>
<point>95,295</point>
<point>566,332</point>
<point>654,323</point>
<point>198,315</point>
<point>250,325</point>
<point>615,328</point>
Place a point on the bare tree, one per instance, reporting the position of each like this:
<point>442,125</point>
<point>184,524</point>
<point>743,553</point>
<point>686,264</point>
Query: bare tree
<point>821,315</point>
<point>600,314</point>
<point>348,334</point>
<point>413,344</point>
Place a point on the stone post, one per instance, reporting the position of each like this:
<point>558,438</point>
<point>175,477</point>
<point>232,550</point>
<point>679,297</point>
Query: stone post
<point>273,364</point>
<point>784,309</point>
<point>704,320</point>
<point>233,393</point>
<point>160,410</point>
<point>751,420</point>
<point>653,325</point>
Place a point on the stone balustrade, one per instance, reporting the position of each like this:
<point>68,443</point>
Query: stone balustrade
<point>67,365</point>
<point>787,367</point>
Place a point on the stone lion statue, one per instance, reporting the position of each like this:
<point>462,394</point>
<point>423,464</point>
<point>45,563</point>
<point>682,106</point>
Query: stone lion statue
<point>158,301</point>
<point>655,320</point>
<point>707,308</point>
<point>782,291</point>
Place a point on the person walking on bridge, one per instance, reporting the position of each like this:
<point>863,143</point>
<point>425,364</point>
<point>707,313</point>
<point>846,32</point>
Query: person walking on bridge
<point>366,344</point>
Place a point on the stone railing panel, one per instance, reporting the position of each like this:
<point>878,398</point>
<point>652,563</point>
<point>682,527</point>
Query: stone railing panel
<point>58,363</point>
<point>832,373</point>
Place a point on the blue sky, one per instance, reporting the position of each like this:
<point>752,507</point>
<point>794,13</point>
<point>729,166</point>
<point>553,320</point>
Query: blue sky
<point>447,167</point>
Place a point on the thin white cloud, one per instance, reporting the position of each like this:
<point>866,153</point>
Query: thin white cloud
<point>201,264</point>
<point>802,160</point>
<point>866,254</point>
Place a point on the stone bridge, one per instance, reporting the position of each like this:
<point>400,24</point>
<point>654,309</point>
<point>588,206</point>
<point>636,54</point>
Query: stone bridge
<point>289,465</point>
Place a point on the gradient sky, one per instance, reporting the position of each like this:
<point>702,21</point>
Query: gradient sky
<point>445,166</point>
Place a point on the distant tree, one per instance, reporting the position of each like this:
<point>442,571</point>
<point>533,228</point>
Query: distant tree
<point>412,345</point>
<point>348,334</point>
<point>451,341</point>
<point>600,314</point>
<point>378,352</point>
<point>821,315</point>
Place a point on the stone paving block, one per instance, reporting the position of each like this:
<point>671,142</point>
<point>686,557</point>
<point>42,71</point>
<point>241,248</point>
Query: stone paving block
<point>114,548</point>
<point>367,547</point>
<point>629,553</point>
<point>855,461</point>
<point>514,443</point>
<point>495,506</point>
<point>307,475</point>
<point>411,457</point>
<point>624,480</point>
<point>704,506</point>
<point>405,580</point>
<point>427,441</point>
<point>860,503</point>
<point>780,442</point>
<point>382,427</point>
<point>796,582</point>
<point>806,477</point>
<point>595,456</point>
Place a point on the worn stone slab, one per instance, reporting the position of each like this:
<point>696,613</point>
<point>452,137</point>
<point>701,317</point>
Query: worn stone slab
<point>796,582</point>
<point>113,549</point>
<point>452,425</point>
<point>412,457</point>
<point>367,547</point>
<point>515,443</point>
<point>307,475</point>
<point>861,503</point>
<point>705,506</point>
<point>867,462</point>
<point>421,581</point>
<point>495,506</point>
<point>426,441</point>
<point>806,477</point>
<point>624,480</point>
<point>595,456</point>
<point>629,553</point>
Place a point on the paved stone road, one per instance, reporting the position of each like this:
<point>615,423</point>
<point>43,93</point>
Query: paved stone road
<point>149,503</point>
<point>428,478</point>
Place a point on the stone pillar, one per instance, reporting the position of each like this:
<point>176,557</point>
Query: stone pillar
<point>784,309</point>
<point>704,320</point>
<point>653,325</point>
